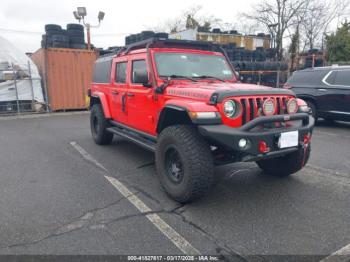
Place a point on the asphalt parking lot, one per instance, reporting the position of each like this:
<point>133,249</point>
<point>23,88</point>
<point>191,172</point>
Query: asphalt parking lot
<point>58,197</point>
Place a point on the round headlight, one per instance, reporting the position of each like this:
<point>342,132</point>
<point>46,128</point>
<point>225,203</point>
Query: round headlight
<point>230,108</point>
<point>292,106</point>
<point>268,107</point>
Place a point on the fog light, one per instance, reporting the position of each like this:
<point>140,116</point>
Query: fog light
<point>242,143</point>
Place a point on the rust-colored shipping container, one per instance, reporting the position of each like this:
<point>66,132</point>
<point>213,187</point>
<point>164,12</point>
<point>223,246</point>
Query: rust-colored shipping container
<point>67,74</point>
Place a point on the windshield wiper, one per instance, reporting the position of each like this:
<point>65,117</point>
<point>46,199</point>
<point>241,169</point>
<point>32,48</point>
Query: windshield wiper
<point>179,76</point>
<point>205,76</point>
<point>160,89</point>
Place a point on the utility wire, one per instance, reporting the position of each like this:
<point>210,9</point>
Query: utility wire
<point>19,31</point>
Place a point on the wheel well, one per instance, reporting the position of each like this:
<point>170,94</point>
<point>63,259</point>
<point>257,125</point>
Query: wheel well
<point>309,99</point>
<point>94,100</point>
<point>172,116</point>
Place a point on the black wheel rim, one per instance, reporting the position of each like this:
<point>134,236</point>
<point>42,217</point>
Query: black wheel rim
<point>95,125</point>
<point>173,165</point>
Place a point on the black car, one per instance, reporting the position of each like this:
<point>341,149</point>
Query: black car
<point>325,89</point>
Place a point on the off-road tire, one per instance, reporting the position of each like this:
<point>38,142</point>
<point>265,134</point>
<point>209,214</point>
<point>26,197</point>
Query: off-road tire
<point>75,33</point>
<point>99,125</point>
<point>49,27</point>
<point>75,27</point>
<point>76,40</point>
<point>285,165</point>
<point>54,32</point>
<point>196,161</point>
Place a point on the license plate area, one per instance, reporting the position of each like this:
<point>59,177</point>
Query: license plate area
<point>288,139</point>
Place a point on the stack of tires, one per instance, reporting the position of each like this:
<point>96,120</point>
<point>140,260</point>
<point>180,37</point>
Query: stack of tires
<point>259,54</point>
<point>75,33</point>
<point>216,31</point>
<point>271,53</point>
<point>260,66</point>
<point>57,37</point>
<point>133,38</point>
<point>230,49</point>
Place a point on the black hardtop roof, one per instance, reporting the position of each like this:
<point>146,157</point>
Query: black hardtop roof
<point>156,42</point>
<point>325,68</point>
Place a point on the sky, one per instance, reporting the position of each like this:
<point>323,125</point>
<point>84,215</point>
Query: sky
<point>22,21</point>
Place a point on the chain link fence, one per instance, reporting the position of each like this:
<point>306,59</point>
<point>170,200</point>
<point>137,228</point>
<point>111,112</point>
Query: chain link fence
<point>20,92</point>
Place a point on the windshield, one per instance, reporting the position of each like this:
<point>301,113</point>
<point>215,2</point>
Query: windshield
<point>192,65</point>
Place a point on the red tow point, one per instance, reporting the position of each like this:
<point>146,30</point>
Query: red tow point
<point>263,148</point>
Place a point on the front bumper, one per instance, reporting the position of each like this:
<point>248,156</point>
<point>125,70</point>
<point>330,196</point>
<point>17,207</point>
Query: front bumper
<point>267,129</point>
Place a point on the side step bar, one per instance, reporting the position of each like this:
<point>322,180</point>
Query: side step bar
<point>135,138</point>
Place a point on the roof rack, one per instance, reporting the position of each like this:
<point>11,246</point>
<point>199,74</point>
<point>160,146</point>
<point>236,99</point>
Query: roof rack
<point>165,42</point>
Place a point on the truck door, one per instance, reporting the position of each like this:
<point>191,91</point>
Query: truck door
<point>119,90</point>
<point>140,96</point>
<point>338,89</point>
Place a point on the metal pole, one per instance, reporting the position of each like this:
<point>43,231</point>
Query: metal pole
<point>88,36</point>
<point>45,80</point>
<point>15,82</point>
<point>31,84</point>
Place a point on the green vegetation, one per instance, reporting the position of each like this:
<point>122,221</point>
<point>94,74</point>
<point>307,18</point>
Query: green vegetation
<point>338,44</point>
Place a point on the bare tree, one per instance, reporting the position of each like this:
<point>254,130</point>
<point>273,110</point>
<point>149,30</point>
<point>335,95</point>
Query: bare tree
<point>277,16</point>
<point>190,18</point>
<point>244,26</point>
<point>318,17</point>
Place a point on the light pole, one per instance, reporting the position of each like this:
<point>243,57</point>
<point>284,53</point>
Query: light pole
<point>80,15</point>
<point>272,28</point>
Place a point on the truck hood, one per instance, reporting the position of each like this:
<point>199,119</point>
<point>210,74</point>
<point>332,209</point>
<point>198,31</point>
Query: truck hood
<point>204,90</point>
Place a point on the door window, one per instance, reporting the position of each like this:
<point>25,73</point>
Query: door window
<point>120,74</point>
<point>102,71</point>
<point>139,72</point>
<point>342,78</point>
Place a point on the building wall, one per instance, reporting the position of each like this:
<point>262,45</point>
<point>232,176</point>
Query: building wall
<point>248,42</point>
<point>190,34</point>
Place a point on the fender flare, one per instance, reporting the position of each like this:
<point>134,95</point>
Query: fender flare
<point>184,107</point>
<point>104,103</point>
<point>190,106</point>
<point>301,102</point>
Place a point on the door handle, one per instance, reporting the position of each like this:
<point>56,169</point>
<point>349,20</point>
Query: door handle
<point>115,92</point>
<point>130,94</point>
<point>322,89</point>
<point>123,103</point>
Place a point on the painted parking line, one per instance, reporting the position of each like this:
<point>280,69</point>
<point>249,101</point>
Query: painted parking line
<point>178,240</point>
<point>342,254</point>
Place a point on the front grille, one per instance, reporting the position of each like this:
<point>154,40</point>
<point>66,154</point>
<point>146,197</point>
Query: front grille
<point>252,107</point>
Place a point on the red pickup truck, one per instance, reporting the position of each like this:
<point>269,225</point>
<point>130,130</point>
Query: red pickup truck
<point>181,100</point>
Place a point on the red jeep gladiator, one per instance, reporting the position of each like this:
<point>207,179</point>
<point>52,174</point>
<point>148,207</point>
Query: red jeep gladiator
<point>181,99</point>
